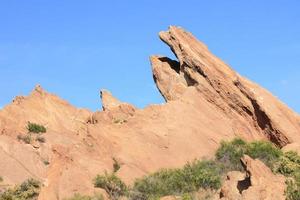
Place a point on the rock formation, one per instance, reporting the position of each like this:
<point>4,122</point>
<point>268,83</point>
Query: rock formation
<point>259,183</point>
<point>206,102</point>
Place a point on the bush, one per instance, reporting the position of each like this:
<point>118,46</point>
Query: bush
<point>187,196</point>
<point>35,128</point>
<point>289,165</point>
<point>40,139</point>
<point>84,197</point>
<point>28,190</point>
<point>230,153</point>
<point>264,151</point>
<point>199,174</point>
<point>293,189</point>
<point>46,162</point>
<point>116,165</point>
<point>25,138</point>
<point>113,185</point>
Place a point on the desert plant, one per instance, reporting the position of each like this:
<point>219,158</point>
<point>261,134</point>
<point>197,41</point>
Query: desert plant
<point>116,165</point>
<point>195,175</point>
<point>264,151</point>
<point>46,162</point>
<point>85,197</point>
<point>119,121</point>
<point>293,189</point>
<point>28,190</point>
<point>289,165</point>
<point>187,196</point>
<point>112,184</point>
<point>25,138</point>
<point>230,153</point>
<point>35,128</point>
<point>40,139</point>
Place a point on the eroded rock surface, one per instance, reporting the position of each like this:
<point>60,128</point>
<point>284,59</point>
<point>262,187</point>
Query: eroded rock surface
<point>259,183</point>
<point>206,102</point>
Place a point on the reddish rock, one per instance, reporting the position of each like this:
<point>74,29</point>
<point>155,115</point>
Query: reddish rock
<point>259,183</point>
<point>206,102</point>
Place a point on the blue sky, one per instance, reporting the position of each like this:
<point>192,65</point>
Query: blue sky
<point>74,48</point>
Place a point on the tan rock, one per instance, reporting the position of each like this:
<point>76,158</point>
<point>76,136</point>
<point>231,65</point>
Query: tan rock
<point>292,147</point>
<point>230,190</point>
<point>108,100</point>
<point>207,102</point>
<point>169,198</point>
<point>259,183</point>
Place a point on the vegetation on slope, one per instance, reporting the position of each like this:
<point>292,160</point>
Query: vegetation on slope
<point>204,175</point>
<point>35,128</point>
<point>85,197</point>
<point>28,190</point>
<point>34,133</point>
<point>207,175</point>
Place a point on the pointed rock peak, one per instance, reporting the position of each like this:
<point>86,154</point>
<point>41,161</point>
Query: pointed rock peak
<point>38,90</point>
<point>108,100</point>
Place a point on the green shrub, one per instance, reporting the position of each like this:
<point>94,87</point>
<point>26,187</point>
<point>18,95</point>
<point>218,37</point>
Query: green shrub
<point>113,185</point>
<point>293,189</point>
<point>84,197</point>
<point>289,165</point>
<point>199,174</point>
<point>264,151</point>
<point>230,153</point>
<point>35,128</point>
<point>187,196</point>
<point>28,190</point>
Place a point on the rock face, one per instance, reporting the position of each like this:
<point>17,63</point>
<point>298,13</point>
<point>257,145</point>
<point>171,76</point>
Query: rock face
<point>219,84</point>
<point>259,183</point>
<point>206,102</point>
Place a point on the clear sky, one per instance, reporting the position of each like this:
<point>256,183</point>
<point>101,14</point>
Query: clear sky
<point>73,48</point>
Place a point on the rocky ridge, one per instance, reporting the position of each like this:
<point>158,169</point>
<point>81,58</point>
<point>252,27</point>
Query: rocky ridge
<point>206,102</point>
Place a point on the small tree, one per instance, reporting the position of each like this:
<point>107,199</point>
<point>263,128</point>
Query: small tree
<point>112,184</point>
<point>35,128</point>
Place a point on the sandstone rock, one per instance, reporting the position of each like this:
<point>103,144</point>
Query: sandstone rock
<point>108,101</point>
<point>206,102</point>
<point>169,198</point>
<point>219,84</point>
<point>114,110</point>
<point>259,183</point>
<point>166,73</point>
<point>292,147</point>
<point>230,189</point>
